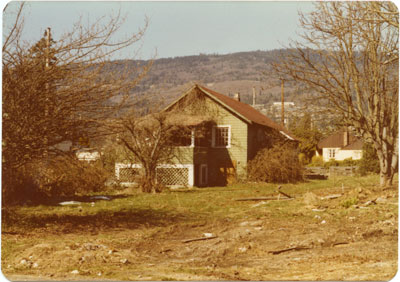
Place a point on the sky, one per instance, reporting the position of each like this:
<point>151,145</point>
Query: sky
<point>176,28</point>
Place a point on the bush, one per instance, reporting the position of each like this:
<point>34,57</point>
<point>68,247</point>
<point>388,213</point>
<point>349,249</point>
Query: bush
<point>279,164</point>
<point>67,176</point>
<point>60,176</point>
<point>345,162</point>
<point>349,202</point>
<point>349,162</point>
<point>303,159</point>
<point>369,162</point>
<point>317,161</point>
<point>19,186</point>
<point>330,163</point>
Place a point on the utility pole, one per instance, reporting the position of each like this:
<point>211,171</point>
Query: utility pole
<point>48,36</point>
<point>254,96</point>
<point>283,104</point>
<point>46,107</point>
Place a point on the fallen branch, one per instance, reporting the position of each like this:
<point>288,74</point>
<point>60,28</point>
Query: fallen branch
<point>283,193</point>
<point>262,199</point>
<point>199,239</point>
<point>340,243</point>
<point>256,199</point>
<point>289,249</point>
<point>330,197</point>
<point>370,202</point>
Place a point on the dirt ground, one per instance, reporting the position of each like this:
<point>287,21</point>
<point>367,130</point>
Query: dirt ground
<point>316,239</point>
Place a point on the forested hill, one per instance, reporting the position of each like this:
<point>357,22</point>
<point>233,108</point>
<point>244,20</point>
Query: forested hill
<point>228,74</point>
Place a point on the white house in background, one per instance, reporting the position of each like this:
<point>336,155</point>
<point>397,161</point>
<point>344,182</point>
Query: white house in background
<point>87,154</point>
<point>340,146</point>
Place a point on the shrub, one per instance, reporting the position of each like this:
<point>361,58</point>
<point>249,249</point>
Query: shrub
<point>330,163</point>
<point>369,162</point>
<point>349,202</point>
<point>60,176</point>
<point>280,164</point>
<point>303,159</point>
<point>317,161</point>
<point>349,162</point>
<point>68,176</point>
<point>18,186</point>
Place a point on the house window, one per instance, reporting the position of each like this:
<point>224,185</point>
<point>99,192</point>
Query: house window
<point>183,138</point>
<point>332,153</point>
<point>221,136</point>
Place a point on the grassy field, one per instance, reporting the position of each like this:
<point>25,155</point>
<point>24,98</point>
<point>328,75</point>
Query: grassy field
<point>134,236</point>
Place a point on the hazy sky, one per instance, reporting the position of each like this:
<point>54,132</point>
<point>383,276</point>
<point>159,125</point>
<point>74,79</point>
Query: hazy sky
<point>179,28</point>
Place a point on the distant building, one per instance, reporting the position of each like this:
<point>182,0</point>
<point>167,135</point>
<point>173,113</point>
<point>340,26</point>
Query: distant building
<point>340,146</point>
<point>87,154</point>
<point>285,104</point>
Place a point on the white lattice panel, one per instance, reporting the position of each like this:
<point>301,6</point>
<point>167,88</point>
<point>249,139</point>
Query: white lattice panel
<point>128,174</point>
<point>167,174</point>
<point>173,176</point>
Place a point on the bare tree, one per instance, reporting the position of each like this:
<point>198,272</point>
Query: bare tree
<point>150,141</point>
<point>62,88</point>
<point>59,89</point>
<point>349,55</point>
<point>164,137</point>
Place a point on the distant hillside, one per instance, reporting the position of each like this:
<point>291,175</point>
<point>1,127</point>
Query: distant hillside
<point>228,74</point>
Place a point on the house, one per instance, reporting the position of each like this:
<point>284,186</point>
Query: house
<point>231,134</point>
<point>87,154</point>
<point>340,146</point>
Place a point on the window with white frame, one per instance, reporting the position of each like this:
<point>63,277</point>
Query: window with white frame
<point>332,153</point>
<point>221,136</point>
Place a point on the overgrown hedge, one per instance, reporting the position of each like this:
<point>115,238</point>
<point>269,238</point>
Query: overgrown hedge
<point>279,164</point>
<point>56,177</point>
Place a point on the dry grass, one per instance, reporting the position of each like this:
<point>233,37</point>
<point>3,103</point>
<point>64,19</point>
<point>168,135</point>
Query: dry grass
<point>139,236</point>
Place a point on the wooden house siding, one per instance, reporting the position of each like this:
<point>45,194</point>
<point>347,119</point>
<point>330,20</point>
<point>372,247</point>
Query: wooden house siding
<point>236,155</point>
<point>252,147</point>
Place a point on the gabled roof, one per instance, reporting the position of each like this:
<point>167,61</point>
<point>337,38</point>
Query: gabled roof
<point>337,140</point>
<point>357,145</point>
<point>243,110</point>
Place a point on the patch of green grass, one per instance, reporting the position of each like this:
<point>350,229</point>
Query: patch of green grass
<point>193,205</point>
<point>349,202</point>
